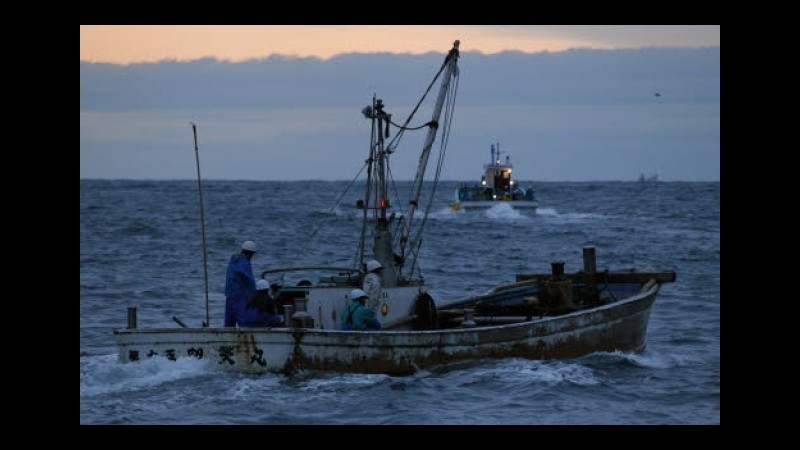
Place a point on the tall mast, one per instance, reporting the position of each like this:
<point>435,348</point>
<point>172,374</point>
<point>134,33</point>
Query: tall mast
<point>382,247</point>
<point>450,71</point>
<point>368,113</point>
<point>207,323</point>
<point>377,182</point>
<point>377,186</point>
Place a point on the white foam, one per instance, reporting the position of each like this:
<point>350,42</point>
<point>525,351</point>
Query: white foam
<point>104,374</point>
<point>336,382</point>
<point>546,212</point>
<point>552,213</point>
<point>524,371</point>
<point>556,372</point>
<point>654,360</point>
<point>504,211</point>
<point>447,213</point>
<point>245,387</point>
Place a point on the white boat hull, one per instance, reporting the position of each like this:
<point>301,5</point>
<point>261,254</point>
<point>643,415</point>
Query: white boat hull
<point>621,325</point>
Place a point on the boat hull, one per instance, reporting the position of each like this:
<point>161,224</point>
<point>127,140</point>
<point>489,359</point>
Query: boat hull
<point>486,204</point>
<point>619,326</point>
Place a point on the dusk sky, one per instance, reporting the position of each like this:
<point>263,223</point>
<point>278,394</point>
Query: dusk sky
<point>567,103</point>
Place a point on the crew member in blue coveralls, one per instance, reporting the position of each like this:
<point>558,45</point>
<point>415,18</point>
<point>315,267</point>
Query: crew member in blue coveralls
<point>240,284</point>
<point>261,310</point>
<point>357,315</point>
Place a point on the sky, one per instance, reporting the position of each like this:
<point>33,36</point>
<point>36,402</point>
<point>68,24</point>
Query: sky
<point>130,44</point>
<point>567,103</point>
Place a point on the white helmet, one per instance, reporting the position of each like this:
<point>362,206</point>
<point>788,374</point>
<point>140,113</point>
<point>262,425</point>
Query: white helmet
<point>262,284</point>
<point>373,265</point>
<point>356,294</point>
<point>250,246</point>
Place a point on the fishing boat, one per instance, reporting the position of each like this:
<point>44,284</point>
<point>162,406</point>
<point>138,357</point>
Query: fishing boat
<point>539,315</point>
<point>497,186</point>
<point>653,179</point>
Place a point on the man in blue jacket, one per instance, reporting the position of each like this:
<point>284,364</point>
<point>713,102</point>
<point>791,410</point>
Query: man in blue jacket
<point>261,310</point>
<point>357,315</point>
<point>240,284</point>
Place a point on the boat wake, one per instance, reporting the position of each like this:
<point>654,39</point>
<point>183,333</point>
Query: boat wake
<point>249,386</point>
<point>315,381</point>
<point>516,371</point>
<point>501,211</point>
<point>552,372</point>
<point>447,213</point>
<point>504,211</point>
<point>649,359</point>
<point>103,374</point>
<point>551,213</point>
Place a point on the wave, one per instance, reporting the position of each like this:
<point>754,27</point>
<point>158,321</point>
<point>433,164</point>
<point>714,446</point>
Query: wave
<point>104,374</point>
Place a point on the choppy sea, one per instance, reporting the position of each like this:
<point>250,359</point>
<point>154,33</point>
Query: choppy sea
<point>141,245</point>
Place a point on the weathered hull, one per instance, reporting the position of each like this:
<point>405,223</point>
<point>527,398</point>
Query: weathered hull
<point>486,204</point>
<point>618,326</point>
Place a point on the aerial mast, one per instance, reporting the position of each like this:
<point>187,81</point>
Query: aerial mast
<point>383,237</point>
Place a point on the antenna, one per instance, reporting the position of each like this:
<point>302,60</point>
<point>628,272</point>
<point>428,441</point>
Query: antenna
<point>202,222</point>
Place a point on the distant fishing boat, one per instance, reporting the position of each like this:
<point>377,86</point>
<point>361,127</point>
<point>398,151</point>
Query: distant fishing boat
<point>496,186</point>
<point>539,316</point>
<point>654,178</point>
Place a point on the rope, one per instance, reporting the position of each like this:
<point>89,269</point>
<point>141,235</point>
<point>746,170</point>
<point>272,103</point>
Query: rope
<point>330,211</point>
<point>389,148</point>
<point>448,120</point>
<point>412,128</point>
<point>414,111</point>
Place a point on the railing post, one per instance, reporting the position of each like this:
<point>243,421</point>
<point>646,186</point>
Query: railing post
<point>301,318</point>
<point>468,322</point>
<point>131,317</point>
<point>287,315</point>
<point>589,261</point>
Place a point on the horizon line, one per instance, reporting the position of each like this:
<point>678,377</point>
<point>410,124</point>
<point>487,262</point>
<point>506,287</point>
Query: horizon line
<point>633,180</point>
<point>292,56</point>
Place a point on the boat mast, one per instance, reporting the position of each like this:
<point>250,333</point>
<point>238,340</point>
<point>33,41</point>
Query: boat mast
<point>382,247</point>
<point>202,222</point>
<point>451,68</point>
<point>368,112</point>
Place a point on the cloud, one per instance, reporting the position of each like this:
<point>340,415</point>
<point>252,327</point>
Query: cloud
<point>300,116</point>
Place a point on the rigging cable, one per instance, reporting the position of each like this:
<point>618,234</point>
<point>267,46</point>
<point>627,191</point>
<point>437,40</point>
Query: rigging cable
<point>448,120</point>
<point>330,211</point>
<point>396,139</point>
<point>412,128</point>
<point>402,128</point>
<point>388,150</point>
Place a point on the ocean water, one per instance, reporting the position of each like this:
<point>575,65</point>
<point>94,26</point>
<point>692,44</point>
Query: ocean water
<point>141,245</point>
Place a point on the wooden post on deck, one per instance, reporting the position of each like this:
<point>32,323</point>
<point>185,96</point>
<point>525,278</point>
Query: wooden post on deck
<point>131,317</point>
<point>589,261</point>
<point>301,318</point>
<point>558,270</point>
<point>588,294</point>
<point>468,318</point>
<point>288,310</point>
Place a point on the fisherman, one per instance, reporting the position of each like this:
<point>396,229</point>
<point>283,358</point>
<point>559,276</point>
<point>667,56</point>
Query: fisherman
<point>372,283</point>
<point>261,310</point>
<point>240,284</point>
<point>356,315</point>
